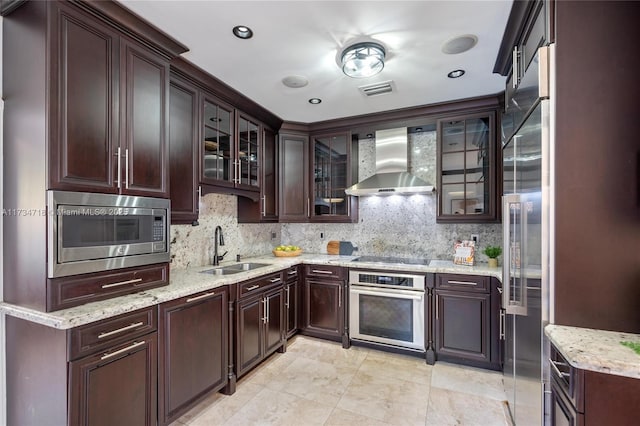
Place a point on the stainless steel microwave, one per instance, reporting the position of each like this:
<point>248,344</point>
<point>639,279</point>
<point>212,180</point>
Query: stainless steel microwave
<point>90,232</point>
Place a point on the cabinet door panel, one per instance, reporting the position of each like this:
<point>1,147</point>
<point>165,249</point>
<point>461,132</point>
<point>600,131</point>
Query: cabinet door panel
<point>250,334</point>
<point>146,92</point>
<point>118,390</point>
<point>294,195</point>
<point>462,325</point>
<point>275,326</point>
<point>269,176</point>
<point>85,117</point>
<point>323,307</point>
<point>291,304</point>
<point>183,157</point>
<point>194,357</point>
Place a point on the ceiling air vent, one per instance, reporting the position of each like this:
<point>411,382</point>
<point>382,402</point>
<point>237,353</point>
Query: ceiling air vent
<point>377,88</point>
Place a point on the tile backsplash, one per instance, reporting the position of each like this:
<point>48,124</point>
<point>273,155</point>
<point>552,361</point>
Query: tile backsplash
<point>392,226</point>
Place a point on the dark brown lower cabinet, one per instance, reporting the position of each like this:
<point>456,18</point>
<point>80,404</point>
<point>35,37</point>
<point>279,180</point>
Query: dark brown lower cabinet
<point>466,313</point>
<point>583,397</point>
<point>259,328</point>
<point>193,351</point>
<point>291,301</point>
<point>117,387</point>
<point>102,373</point>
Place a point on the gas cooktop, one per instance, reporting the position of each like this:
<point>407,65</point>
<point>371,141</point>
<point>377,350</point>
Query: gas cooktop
<point>396,260</point>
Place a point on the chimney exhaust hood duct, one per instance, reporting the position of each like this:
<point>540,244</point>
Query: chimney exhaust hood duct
<point>391,175</point>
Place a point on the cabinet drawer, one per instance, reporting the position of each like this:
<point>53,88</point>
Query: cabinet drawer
<point>291,274</point>
<point>90,338</point>
<point>326,271</point>
<point>463,282</point>
<point>66,292</point>
<point>569,380</point>
<point>251,287</point>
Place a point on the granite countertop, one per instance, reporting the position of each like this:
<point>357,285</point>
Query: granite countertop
<point>596,350</point>
<point>184,282</point>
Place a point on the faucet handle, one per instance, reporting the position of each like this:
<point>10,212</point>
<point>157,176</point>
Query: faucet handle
<point>221,256</point>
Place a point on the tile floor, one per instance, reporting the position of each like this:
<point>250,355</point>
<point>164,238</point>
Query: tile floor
<point>316,382</point>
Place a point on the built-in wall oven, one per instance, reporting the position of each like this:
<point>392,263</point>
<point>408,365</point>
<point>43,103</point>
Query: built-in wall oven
<point>387,308</point>
<point>90,232</point>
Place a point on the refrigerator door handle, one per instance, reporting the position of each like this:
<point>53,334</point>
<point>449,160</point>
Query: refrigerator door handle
<point>510,304</point>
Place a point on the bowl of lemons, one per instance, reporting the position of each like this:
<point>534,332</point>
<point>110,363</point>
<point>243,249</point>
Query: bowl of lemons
<point>287,251</point>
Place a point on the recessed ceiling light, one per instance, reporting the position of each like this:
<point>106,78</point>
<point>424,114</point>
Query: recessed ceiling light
<point>456,74</point>
<point>459,44</point>
<point>295,81</point>
<point>242,31</point>
<point>315,101</point>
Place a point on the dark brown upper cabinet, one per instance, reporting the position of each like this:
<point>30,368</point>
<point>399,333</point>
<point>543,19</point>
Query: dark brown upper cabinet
<point>183,151</point>
<point>467,184</point>
<point>108,109</point>
<point>218,149</point>
<point>330,176</point>
<point>294,203</point>
<point>266,208</point>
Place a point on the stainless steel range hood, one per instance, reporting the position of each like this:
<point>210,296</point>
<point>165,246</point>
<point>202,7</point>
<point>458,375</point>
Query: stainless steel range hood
<point>392,176</point>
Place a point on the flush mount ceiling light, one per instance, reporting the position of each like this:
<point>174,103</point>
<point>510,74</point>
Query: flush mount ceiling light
<point>456,74</point>
<point>315,101</point>
<point>363,59</point>
<point>242,31</point>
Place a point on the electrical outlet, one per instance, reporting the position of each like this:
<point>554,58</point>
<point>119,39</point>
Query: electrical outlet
<point>273,235</point>
<point>475,238</point>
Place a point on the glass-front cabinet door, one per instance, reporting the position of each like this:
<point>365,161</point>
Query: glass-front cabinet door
<point>218,159</point>
<point>466,169</point>
<point>248,162</point>
<point>330,176</point>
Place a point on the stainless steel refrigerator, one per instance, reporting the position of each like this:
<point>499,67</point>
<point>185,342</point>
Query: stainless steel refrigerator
<point>526,249</point>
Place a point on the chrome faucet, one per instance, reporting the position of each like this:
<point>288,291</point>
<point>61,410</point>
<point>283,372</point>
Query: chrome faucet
<point>218,239</point>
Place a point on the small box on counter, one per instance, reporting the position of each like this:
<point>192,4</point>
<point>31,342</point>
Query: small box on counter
<point>464,253</point>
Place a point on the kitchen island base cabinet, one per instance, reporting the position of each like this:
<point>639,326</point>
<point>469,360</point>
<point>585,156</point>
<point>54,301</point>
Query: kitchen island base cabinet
<point>193,351</point>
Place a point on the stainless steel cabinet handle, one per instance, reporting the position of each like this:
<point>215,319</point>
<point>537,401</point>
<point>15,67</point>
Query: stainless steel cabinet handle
<point>253,287</point>
<point>555,364</point>
<point>202,296</point>
<point>288,290</point>
<point>264,205</point>
<point>274,280</point>
<point>320,271</point>
<point>502,325</point>
<point>294,272</point>
<point>126,168</point>
<point>462,282</point>
<point>308,208</point>
<point>128,348</point>
<point>120,330</point>
<point>199,193</point>
<point>137,280</point>
<point>436,306</point>
<point>340,296</point>
<point>514,65</point>
<point>119,155</point>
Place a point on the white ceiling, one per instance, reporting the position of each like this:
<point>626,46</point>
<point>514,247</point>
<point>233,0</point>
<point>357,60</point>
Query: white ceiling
<point>305,37</point>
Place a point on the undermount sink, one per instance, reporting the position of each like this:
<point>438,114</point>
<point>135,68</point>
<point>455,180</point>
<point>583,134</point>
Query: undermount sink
<point>235,269</point>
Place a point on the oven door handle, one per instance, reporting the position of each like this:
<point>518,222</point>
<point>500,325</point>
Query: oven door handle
<point>397,294</point>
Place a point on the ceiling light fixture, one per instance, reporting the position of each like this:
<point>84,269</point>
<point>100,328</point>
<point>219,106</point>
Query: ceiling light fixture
<point>363,59</point>
<point>315,101</point>
<point>456,74</point>
<point>242,31</point>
